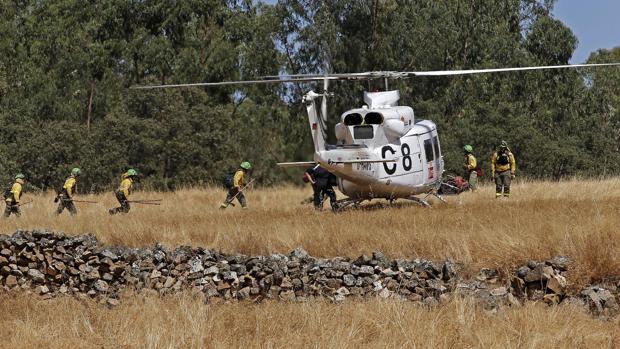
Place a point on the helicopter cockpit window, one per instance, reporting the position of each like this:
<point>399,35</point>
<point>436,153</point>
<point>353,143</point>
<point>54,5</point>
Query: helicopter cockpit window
<point>353,119</point>
<point>373,119</point>
<point>428,150</point>
<point>363,132</point>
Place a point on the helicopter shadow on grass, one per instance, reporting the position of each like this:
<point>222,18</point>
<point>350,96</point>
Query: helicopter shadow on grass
<point>378,206</point>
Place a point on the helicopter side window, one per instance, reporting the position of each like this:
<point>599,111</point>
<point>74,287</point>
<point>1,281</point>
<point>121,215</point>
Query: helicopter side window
<point>436,145</point>
<point>373,119</point>
<point>363,132</point>
<point>428,150</point>
<point>353,119</point>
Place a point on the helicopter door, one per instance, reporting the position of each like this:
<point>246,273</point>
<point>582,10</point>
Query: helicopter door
<point>431,167</point>
<point>417,163</point>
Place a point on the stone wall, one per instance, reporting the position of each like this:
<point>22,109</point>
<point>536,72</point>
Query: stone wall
<point>53,264</point>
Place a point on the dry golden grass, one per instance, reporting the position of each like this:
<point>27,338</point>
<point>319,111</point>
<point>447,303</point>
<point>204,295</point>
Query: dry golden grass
<point>543,219</point>
<point>185,321</point>
<point>575,218</point>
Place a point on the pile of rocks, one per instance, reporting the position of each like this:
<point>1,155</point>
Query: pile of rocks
<point>544,281</point>
<point>52,264</point>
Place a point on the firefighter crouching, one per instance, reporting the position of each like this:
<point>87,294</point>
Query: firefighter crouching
<point>65,197</point>
<point>123,191</point>
<point>235,188</point>
<point>503,168</point>
<point>322,185</point>
<point>12,196</point>
<point>471,167</point>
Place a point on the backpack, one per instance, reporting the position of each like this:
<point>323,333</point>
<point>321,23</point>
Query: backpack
<point>228,179</point>
<point>503,158</point>
<point>7,191</point>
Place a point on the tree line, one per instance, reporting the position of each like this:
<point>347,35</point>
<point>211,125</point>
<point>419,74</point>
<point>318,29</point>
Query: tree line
<point>67,66</point>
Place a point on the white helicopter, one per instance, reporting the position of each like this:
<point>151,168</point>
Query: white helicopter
<point>382,152</point>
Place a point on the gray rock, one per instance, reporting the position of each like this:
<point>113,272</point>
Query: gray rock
<point>286,283</point>
<point>343,291</point>
<point>499,292</point>
<point>430,301</point>
<point>557,284</point>
<point>298,284</point>
<point>486,299</point>
<point>10,281</point>
<point>211,270</point>
<point>487,274</point>
<point>159,256</point>
<point>299,253</point>
<point>448,271</point>
<point>349,280</point>
<point>385,293</point>
<point>389,272</point>
<point>195,265</point>
<point>559,262</point>
<point>36,276</point>
<point>366,270</point>
<point>100,286</point>
<point>380,259</point>
<point>109,254</point>
<point>532,264</point>
<point>169,282</point>
<point>523,271</point>
<point>436,285</point>
<point>230,276</point>
<point>244,293</point>
<point>534,275</point>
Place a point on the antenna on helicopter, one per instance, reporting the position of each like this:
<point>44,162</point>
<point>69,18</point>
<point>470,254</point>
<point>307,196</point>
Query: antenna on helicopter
<point>324,100</point>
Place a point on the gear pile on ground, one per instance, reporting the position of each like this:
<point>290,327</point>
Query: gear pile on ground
<point>53,264</point>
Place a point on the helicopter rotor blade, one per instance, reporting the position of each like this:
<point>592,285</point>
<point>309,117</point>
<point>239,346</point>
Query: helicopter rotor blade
<point>301,78</point>
<point>406,74</point>
<point>240,82</point>
<point>498,70</point>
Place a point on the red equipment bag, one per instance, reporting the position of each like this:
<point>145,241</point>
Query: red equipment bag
<point>460,182</point>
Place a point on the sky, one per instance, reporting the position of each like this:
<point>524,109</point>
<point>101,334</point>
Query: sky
<point>594,22</point>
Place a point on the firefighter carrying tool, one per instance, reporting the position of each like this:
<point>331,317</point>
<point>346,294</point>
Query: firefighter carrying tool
<point>123,191</point>
<point>12,195</point>
<point>236,185</point>
<point>69,189</point>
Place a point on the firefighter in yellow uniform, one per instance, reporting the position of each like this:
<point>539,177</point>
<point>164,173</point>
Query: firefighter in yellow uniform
<point>238,183</point>
<point>65,197</point>
<point>123,191</point>
<point>503,169</point>
<point>13,196</point>
<point>471,167</point>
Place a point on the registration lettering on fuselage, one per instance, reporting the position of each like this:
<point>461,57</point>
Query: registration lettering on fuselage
<point>364,166</point>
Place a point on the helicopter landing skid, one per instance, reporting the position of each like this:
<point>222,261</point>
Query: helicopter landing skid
<point>435,194</point>
<point>419,201</point>
<point>344,203</point>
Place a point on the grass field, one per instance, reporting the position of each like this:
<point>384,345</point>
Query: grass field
<point>543,219</point>
<point>185,321</point>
